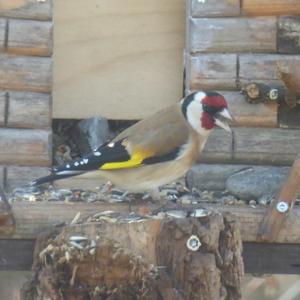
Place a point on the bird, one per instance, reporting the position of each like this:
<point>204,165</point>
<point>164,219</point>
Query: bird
<point>156,150</point>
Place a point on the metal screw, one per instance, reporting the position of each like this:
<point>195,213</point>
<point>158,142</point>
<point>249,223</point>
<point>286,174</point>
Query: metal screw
<point>273,94</point>
<point>282,207</point>
<point>193,243</point>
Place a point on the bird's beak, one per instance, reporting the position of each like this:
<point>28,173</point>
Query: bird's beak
<point>222,118</point>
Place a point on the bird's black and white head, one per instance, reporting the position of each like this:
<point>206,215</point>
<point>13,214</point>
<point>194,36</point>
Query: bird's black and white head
<point>206,109</point>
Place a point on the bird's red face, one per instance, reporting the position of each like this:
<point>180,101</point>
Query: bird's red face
<point>213,105</point>
<point>205,110</point>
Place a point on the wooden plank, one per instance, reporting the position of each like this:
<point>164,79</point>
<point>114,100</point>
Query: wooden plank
<point>265,67</point>
<point>16,255</point>
<point>215,8</point>
<point>259,258</point>
<point>288,35</point>
<point>123,57</point>
<point>267,258</point>
<point>28,37</point>
<point>275,217</point>
<point>2,108</point>
<point>25,73</point>
<point>20,176</point>
<point>31,147</point>
<point>266,7</point>
<point>212,71</point>
<point>26,9</point>
<point>233,34</point>
<point>253,145</point>
<point>33,218</point>
<point>24,104</point>
<point>250,115</point>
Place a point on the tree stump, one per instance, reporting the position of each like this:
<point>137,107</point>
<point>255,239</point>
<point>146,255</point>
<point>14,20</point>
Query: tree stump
<point>130,257</point>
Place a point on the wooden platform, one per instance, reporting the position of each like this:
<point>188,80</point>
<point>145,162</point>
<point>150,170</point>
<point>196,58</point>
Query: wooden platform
<point>34,218</point>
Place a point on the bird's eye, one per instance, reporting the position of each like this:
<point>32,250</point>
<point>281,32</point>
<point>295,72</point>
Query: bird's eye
<point>210,109</point>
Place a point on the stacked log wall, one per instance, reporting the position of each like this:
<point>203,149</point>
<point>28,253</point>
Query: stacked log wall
<point>232,43</point>
<point>25,89</point>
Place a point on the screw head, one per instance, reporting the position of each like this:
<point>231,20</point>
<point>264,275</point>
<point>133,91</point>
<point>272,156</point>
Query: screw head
<point>282,207</point>
<point>273,94</point>
<point>193,243</point>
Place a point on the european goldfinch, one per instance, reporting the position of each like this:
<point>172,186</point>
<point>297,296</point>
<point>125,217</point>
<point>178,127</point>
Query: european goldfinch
<point>154,151</point>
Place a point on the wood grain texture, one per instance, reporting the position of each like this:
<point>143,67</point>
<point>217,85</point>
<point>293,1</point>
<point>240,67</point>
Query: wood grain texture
<point>29,110</point>
<point>25,73</point>
<point>123,57</point>
<point>33,218</point>
<point>28,37</point>
<point>253,145</point>
<point>250,115</point>
<point>2,33</point>
<point>2,177</point>
<point>233,34</point>
<point>25,147</point>
<point>288,35</point>
<point>16,255</point>
<point>215,8</point>
<point>20,176</point>
<point>274,219</point>
<point>212,71</point>
<point>2,108</point>
<point>26,9</point>
<point>265,67</point>
<point>266,7</point>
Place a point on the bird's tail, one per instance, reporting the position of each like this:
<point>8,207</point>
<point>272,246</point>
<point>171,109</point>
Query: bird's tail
<point>53,177</point>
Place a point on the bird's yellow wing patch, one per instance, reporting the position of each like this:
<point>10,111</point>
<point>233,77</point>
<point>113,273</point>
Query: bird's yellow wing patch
<point>135,161</point>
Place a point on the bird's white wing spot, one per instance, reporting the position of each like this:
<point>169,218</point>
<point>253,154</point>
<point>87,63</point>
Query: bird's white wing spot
<point>97,153</point>
<point>76,163</point>
<point>110,145</point>
<point>82,163</point>
<point>68,166</point>
<point>85,160</point>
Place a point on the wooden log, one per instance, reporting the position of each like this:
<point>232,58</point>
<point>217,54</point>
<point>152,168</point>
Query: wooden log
<point>17,177</point>
<point>253,145</point>
<point>6,216</point>
<point>214,8</point>
<point>265,67</point>
<point>25,147</point>
<point>16,255</point>
<point>233,34</point>
<point>288,35</point>
<point>24,104</point>
<point>32,218</point>
<point>26,9</point>
<point>251,115</point>
<point>281,206</point>
<point>121,260</point>
<point>28,37</point>
<point>3,105</point>
<point>25,73</point>
<point>3,25</point>
<point>212,71</point>
<point>266,7</point>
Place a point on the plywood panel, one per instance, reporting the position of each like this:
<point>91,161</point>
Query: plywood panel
<point>121,59</point>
